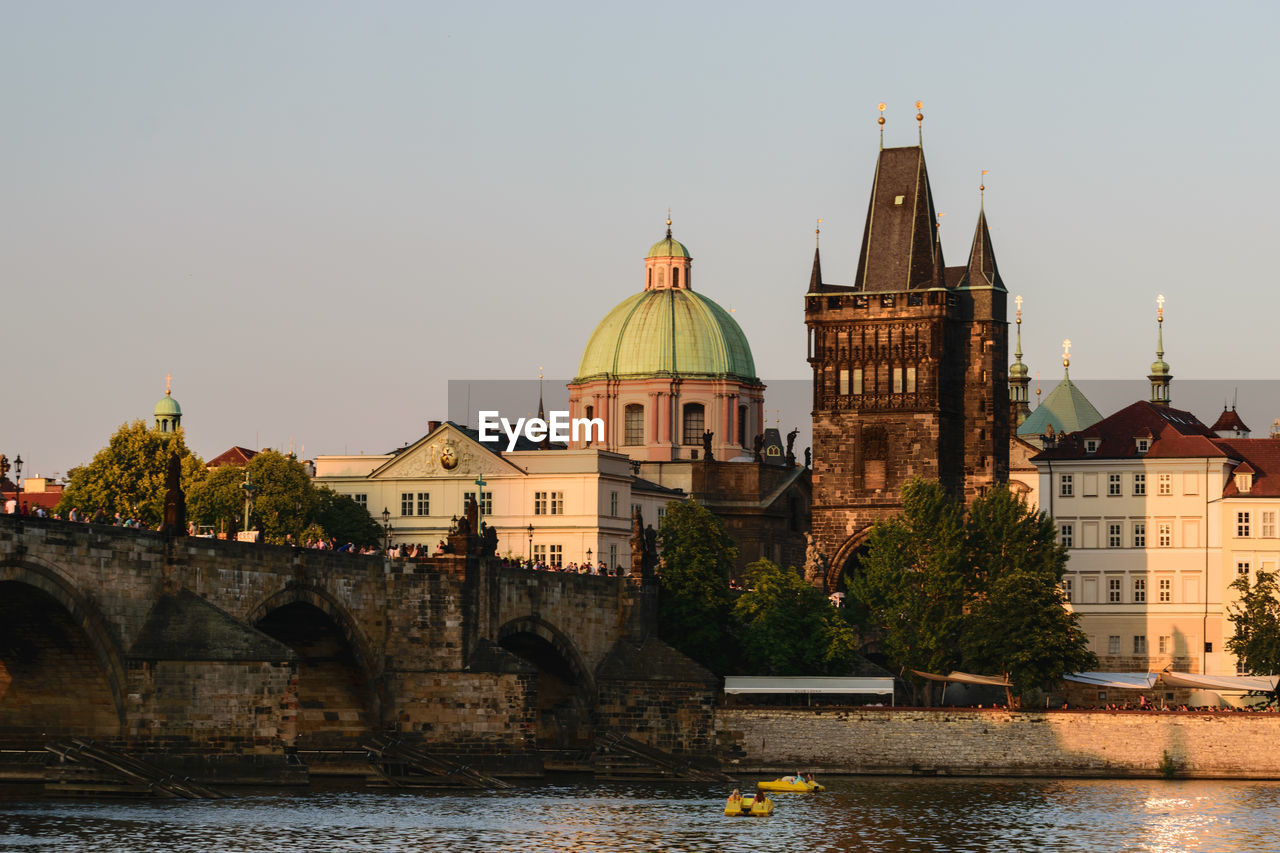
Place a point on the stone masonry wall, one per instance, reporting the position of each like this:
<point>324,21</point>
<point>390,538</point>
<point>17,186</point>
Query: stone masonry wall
<point>965,742</point>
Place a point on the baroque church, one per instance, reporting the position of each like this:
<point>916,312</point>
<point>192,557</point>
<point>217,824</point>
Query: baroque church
<point>909,365</point>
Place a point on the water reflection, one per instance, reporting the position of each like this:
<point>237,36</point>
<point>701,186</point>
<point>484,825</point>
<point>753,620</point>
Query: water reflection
<point>892,815</point>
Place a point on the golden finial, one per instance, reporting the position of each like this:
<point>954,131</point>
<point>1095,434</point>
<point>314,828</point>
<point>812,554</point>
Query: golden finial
<point>1017,300</point>
<point>817,232</point>
<point>1037,388</point>
<point>168,381</point>
<point>1066,352</point>
<point>880,121</point>
<point>920,121</point>
<point>982,186</point>
<point>1160,308</point>
<point>938,222</point>
<point>668,223</point>
<point>539,372</point>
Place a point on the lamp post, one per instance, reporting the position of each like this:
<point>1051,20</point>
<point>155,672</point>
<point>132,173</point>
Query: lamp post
<point>17,485</point>
<point>250,491</point>
<point>386,522</point>
<point>590,565</point>
<point>531,546</point>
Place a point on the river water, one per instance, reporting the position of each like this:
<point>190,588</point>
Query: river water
<point>865,814</point>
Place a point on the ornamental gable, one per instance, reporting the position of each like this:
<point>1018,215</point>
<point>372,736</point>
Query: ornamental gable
<point>448,453</point>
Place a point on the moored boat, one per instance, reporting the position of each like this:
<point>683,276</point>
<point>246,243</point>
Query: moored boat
<point>794,784</point>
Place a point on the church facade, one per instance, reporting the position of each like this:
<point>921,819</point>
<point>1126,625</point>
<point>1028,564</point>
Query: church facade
<point>909,365</point>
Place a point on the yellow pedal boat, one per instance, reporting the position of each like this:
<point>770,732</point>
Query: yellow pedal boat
<point>790,783</point>
<point>751,805</point>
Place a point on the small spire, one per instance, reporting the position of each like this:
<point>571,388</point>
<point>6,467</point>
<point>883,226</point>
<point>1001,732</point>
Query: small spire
<point>668,223</point>
<point>982,190</point>
<point>920,122</point>
<point>1017,300</point>
<point>1160,326</point>
<point>168,381</point>
<point>817,233</point>
<point>1066,356</point>
<point>880,121</point>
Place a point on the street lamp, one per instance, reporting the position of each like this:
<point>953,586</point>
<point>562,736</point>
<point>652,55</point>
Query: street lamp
<point>250,491</point>
<point>17,485</point>
<point>386,522</point>
<point>531,545</point>
<point>590,565</point>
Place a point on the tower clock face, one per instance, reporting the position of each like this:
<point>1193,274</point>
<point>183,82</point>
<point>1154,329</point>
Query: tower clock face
<point>449,457</point>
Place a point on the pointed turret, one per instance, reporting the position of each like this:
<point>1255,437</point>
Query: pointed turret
<point>900,248</point>
<point>1019,378</point>
<point>815,278</point>
<point>1160,375</point>
<point>982,270</point>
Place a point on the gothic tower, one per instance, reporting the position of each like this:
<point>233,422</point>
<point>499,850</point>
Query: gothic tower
<point>909,365</point>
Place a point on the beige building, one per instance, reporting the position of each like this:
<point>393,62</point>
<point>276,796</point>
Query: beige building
<point>571,506</point>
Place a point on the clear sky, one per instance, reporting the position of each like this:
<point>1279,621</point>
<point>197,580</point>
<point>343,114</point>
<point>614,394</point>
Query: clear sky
<point>316,214</point>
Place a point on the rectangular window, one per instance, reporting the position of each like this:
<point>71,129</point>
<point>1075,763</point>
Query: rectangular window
<point>540,554</point>
<point>613,557</point>
<point>662,513</point>
<point>1113,590</point>
<point>1164,484</point>
<point>406,503</point>
<point>555,556</point>
<point>424,503</point>
<point>857,380</point>
<point>1166,590</point>
<point>694,424</point>
<point>557,503</point>
<point>1067,532</point>
<point>1066,485</point>
<point>1242,524</point>
<point>1139,590</point>
<point>361,498</point>
<point>1269,524</point>
<point>1144,444</point>
<point>1241,669</point>
<point>911,380</point>
<point>1166,643</point>
<point>633,424</point>
<point>897,380</point>
<point>1091,445</point>
<point>1113,485</point>
<point>1139,644</point>
<point>539,503</point>
<point>1114,536</point>
<point>486,501</point>
<point>1139,484</point>
<point>1113,644</point>
<point>613,504</point>
<point>1165,533</point>
<point>844,380</point>
<point>1242,568</point>
<point>1139,534</point>
<point>1068,589</point>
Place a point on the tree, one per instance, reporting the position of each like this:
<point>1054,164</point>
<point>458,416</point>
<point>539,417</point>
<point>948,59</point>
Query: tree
<point>913,581</point>
<point>788,627</point>
<point>128,475</point>
<point>341,517</point>
<point>218,500</point>
<point>694,612</point>
<point>284,499</point>
<point>1018,623</point>
<point>1256,617</point>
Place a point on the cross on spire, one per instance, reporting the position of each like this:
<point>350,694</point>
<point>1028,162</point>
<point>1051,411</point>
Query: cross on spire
<point>168,381</point>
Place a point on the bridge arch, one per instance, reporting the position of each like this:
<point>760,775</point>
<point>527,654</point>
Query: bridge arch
<point>566,687</point>
<point>337,686</point>
<point>40,597</point>
<point>846,556</point>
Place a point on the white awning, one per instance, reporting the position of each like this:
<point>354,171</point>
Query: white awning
<point>956,677</point>
<point>1263,683</point>
<point>1115,680</point>
<point>806,684</point>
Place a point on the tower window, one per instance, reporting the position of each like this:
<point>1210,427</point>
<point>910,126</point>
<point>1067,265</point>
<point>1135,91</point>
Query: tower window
<point>694,423</point>
<point>911,380</point>
<point>857,380</point>
<point>633,426</point>
<point>675,276</point>
<point>742,425</point>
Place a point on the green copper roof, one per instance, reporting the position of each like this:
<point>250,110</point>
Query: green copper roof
<point>1066,409</point>
<point>672,331</point>
<point>167,407</point>
<point>668,247</point>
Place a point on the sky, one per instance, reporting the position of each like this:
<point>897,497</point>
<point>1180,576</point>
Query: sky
<point>315,215</point>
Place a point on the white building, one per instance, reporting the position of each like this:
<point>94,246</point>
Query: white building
<point>571,506</point>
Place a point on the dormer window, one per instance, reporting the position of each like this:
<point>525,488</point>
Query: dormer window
<point>1091,445</point>
<point>1244,483</point>
<point>1144,444</point>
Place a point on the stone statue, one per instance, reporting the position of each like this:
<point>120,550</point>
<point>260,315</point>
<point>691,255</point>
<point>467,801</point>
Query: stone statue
<point>759,447</point>
<point>489,539</point>
<point>706,446</point>
<point>815,564</point>
<point>637,542</point>
<point>808,458</point>
<point>175,502</point>
<point>791,445</point>
<point>473,516</point>
<point>650,565</point>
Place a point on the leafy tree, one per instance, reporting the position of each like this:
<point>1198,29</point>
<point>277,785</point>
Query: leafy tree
<point>694,613</point>
<point>1018,623</point>
<point>340,516</point>
<point>128,475</point>
<point>218,500</point>
<point>788,627</point>
<point>283,504</point>
<point>1256,617</point>
<point>913,581</point>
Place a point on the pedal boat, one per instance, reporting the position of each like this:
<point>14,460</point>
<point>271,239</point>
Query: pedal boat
<point>790,784</point>
<point>750,806</point>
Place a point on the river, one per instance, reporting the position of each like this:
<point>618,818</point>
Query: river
<point>864,814</point>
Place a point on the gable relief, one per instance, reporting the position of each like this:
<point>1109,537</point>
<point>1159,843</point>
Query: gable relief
<point>446,457</point>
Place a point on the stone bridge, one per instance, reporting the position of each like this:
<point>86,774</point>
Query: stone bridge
<point>191,645</point>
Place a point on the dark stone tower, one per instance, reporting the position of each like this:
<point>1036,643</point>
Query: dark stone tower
<point>909,365</point>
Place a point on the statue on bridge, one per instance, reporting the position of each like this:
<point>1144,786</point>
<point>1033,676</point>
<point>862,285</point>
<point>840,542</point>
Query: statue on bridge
<point>791,447</point>
<point>706,446</point>
<point>175,501</point>
<point>815,562</point>
<point>488,540</point>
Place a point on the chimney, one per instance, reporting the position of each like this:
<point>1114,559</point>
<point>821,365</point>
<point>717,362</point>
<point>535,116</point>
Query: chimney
<point>432,426</point>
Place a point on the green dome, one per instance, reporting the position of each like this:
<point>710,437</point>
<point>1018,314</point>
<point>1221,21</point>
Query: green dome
<point>167,407</point>
<point>672,331</point>
<point>668,247</point>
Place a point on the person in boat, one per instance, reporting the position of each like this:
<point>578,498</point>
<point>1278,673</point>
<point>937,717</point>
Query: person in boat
<point>808,777</point>
<point>734,801</point>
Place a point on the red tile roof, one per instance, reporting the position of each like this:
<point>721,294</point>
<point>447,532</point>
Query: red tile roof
<point>1229,421</point>
<point>237,456</point>
<point>1174,434</point>
<point>1261,457</point>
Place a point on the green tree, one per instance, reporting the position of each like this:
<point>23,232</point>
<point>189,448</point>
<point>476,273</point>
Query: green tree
<point>788,627</point>
<point>1017,622</point>
<point>128,475</point>
<point>912,582</point>
<point>340,516</point>
<point>284,501</point>
<point>695,608</point>
<point>1256,617</point>
<point>218,500</point>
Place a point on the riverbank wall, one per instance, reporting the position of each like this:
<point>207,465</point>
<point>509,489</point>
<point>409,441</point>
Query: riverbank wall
<point>990,742</point>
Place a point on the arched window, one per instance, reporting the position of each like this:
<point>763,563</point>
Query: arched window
<point>675,276</point>
<point>591,413</point>
<point>633,424</point>
<point>694,423</point>
<point>742,426</point>
<point>650,282</point>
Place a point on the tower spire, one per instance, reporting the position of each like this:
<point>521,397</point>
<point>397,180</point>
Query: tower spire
<point>880,121</point>
<point>1066,358</point>
<point>1019,377</point>
<point>815,278</point>
<point>1160,375</point>
<point>920,122</point>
